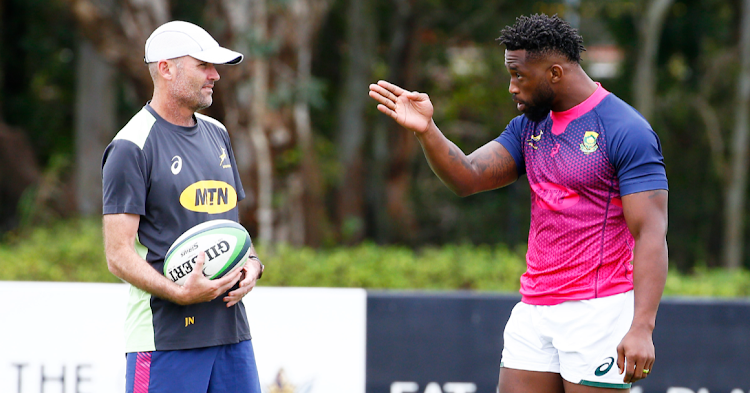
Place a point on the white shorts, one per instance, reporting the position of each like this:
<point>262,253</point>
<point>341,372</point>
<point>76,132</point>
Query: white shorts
<point>577,339</point>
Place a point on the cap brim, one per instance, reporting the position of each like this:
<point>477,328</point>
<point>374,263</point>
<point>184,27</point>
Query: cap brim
<point>219,55</point>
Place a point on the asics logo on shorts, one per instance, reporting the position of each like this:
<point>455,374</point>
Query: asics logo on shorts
<point>601,370</point>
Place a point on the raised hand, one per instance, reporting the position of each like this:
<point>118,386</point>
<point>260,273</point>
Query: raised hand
<point>410,109</point>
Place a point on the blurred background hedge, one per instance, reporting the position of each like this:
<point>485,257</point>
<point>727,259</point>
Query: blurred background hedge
<point>72,250</point>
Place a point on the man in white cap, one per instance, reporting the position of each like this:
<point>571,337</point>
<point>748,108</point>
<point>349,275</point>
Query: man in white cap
<point>158,174</point>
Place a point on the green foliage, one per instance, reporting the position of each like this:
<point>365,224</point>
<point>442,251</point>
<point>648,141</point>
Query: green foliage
<point>72,250</point>
<point>488,268</point>
<point>709,282</point>
<point>65,251</point>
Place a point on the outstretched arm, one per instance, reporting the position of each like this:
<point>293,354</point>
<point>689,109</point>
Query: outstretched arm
<point>489,167</point>
<point>646,216</point>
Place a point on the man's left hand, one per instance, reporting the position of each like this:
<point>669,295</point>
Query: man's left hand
<point>635,355</point>
<point>248,278</point>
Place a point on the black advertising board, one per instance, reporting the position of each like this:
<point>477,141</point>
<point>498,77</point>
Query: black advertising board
<point>426,340</point>
<point>450,342</point>
<point>701,345</point>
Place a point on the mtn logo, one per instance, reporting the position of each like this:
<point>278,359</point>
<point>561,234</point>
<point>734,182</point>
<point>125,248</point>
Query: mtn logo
<point>209,196</point>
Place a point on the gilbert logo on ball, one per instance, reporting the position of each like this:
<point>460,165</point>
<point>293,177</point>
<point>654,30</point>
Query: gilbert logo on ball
<point>225,242</point>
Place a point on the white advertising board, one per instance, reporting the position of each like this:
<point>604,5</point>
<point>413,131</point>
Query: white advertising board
<point>55,334</point>
<point>68,337</point>
<point>313,340</point>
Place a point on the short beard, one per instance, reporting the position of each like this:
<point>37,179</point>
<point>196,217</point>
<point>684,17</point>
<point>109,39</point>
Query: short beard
<point>541,103</point>
<point>186,95</point>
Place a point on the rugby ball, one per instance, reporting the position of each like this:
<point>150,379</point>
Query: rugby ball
<point>225,242</point>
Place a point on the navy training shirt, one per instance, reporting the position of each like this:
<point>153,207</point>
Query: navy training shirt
<point>174,178</point>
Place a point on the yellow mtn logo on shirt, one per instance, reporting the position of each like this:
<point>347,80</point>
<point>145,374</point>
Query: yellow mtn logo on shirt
<point>209,196</point>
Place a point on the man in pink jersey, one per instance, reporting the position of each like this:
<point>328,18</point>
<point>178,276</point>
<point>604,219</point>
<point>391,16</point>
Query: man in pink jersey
<point>597,255</point>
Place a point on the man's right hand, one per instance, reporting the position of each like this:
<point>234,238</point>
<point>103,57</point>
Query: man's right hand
<point>198,288</point>
<point>410,109</point>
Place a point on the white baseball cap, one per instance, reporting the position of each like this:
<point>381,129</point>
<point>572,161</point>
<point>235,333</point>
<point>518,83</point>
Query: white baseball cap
<point>176,39</point>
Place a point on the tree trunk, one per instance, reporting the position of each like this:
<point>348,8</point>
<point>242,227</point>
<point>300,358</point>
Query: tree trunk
<point>260,77</point>
<point>3,54</point>
<point>402,144</point>
<point>291,25</point>
<point>644,86</point>
<point>119,33</point>
<point>115,34</point>
<point>18,171</point>
<point>386,196</point>
<point>734,206</point>
<point>94,125</point>
<point>245,109</point>
<point>360,38</point>
<point>312,200</point>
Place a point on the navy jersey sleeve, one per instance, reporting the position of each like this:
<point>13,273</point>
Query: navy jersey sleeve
<point>512,140</point>
<point>635,152</point>
<point>124,179</point>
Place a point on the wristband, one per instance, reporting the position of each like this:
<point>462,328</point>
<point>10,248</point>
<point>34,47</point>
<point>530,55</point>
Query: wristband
<point>262,266</point>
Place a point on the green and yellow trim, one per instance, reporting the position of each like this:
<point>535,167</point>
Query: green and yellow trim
<point>604,384</point>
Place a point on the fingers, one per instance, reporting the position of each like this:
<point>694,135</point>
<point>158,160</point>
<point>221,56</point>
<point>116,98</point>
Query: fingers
<point>227,282</point>
<point>383,96</point>
<point>637,369</point>
<point>198,288</point>
<point>642,370</point>
<point>391,87</point>
<point>199,263</point>
<point>197,272</point>
<point>236,296</point>
<point>399,104</point>
<point>246,285</point>
<point>387,94</point>
<point>385,106</point>
<point>389,112</point>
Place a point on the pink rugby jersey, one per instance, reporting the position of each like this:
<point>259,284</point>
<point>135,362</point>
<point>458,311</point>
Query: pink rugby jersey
<point>579,163</point>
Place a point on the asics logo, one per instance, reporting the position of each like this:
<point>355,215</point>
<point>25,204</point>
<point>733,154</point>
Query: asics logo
<point>176,165</point>
<point>605,367</point>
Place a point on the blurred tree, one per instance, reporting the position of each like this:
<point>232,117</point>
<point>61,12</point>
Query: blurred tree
<point>94,121</point>
<point>280,44</point>
<point>701,69</point>
<point>106,42</point>
<point>246,114</point>
<point>361,36</point>
<point>736,190</point>
<point>36,81</point>
<point>118,28</point>
<point>307,16</point>
<point>649,35</point>
<point>313,150</point>
<point>401,59</point>
<point>118,31</point>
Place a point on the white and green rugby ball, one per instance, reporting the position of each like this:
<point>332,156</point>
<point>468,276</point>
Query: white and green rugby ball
<point>225,242</point>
